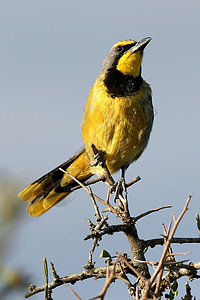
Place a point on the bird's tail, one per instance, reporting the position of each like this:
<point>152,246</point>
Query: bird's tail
<point>56,185</point>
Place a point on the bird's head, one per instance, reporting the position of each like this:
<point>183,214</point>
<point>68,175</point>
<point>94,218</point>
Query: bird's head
<point>126,57</point>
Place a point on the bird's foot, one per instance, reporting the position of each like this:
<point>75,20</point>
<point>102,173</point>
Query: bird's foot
<point>98,156</point>
<point>118,188</point>
<point>99,159</point>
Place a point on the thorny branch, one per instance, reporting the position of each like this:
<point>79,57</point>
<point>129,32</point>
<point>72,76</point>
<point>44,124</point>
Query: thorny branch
<point>73,278</point>
<point>160,241</point>
<point>146,286</point>
<point>176,271</point>
<point>168,239</point>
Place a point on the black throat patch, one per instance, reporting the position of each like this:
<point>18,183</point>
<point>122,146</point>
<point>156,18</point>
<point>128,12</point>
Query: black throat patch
<point>120,85</point>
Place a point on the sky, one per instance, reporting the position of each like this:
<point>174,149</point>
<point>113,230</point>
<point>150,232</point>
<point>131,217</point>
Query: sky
<point>51,53</point>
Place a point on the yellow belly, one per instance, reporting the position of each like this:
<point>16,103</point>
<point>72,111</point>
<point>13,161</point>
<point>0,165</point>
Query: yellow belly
<point>118,126</point>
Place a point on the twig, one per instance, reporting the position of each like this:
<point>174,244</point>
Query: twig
<point>155,263</point>
<point>110,277</point>
<point>46,293</point>
<point>170,238</point>
<point>54,273</point>
<point>122,212</point>
<point>166,233</point>
<point>109,280</point>
<point>102,178</point>
<point>133,181</point>
<point>73,278</point>
<point>107,230</point>
<point>150,212</point>
<point>167,244</point>
<point>127,282</point>
<point>154,242</point>
<point>159,276</point>
<point>89,182</point>
<point>75,179</point>
<point>168,229</point>
<point>73,292</point>
<point>178,271</point>
<point>89,190</point>
<point>101,223</point>
<point>134,270</point>
<point>184,253</point>
<point>96,209</point>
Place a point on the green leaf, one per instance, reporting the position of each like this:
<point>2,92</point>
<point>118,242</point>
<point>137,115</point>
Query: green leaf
<point>174,287</point>
<point>104,254</point>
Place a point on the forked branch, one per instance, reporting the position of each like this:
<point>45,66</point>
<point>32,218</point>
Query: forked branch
<point>146,285</point>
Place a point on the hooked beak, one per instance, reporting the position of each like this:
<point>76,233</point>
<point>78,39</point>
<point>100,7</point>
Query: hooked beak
<point>140,45</point>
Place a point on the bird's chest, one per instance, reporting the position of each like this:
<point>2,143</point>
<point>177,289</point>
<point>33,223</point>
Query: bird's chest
<point>116,126</point>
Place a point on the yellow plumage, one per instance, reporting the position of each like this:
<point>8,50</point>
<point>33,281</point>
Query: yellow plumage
<point>118,119</point>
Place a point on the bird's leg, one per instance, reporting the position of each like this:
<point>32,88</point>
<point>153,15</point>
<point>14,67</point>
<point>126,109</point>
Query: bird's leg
<point>98,156</point>
<point>117,187</point>
<point>123,182</point>
<point>99,160</point>
<point>120,185</point>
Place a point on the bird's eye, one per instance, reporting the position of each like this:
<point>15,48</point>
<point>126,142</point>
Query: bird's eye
<point>119,48</point>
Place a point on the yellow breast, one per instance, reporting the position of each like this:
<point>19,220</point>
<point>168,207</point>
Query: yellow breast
<point>119,126</point>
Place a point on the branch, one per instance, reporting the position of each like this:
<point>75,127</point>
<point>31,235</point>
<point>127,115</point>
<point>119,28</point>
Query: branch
<point>89,182</point>
<point>109,280</point>
<point>134,270</point>
<point>123,228</point>
<point>150,212</point>
<point>178,271</point>
<point>107,230</point>
<point>165,250</point>
<point>46,292</point>
<point>106,202</point>
<point>73,278</point>
<point>154,242</point>
<point>133,181</point>
<point>168,241</point>
<point>138,266</point>
<point>73,292</point>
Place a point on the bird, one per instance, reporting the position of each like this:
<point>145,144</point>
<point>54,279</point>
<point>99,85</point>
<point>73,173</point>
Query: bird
<point>117,120</point>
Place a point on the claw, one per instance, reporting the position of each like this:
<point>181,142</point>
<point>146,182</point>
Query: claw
<point>98,156</point>
<point>118,188</point>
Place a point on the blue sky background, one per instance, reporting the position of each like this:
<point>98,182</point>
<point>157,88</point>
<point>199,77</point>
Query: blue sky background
<point>50,55</point>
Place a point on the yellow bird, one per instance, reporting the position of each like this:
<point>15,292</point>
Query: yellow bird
<point>118,120</point>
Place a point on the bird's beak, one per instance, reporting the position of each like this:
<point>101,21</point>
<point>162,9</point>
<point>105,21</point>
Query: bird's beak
<point>140,45</point>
